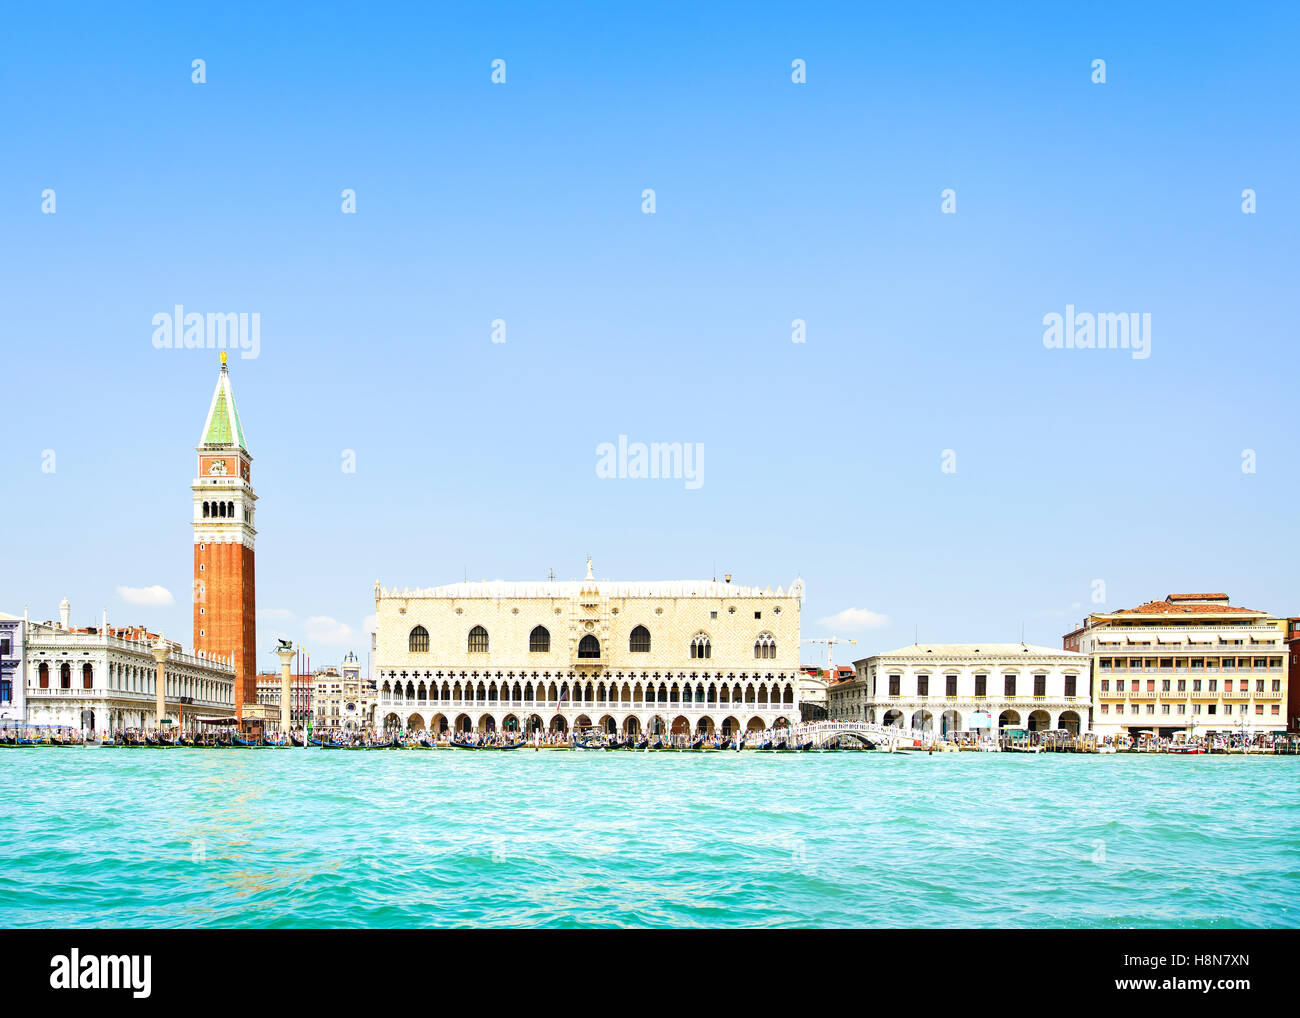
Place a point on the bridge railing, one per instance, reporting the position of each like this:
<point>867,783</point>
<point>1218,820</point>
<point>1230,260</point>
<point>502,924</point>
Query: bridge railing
<point>827,729</point>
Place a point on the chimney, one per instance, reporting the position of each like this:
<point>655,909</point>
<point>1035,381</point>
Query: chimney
<point>65,615</point>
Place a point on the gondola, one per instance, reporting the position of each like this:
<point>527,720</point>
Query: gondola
<point>642,744</point>
<point>246,743</point>
<point>698,743</point>
<point>458,744</point>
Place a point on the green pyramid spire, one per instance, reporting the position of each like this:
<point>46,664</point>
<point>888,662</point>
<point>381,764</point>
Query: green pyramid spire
<point>223,427</point>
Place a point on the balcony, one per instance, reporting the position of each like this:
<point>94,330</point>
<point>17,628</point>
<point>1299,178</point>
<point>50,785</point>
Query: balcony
<point>133,695</point>
<point>390,703</point>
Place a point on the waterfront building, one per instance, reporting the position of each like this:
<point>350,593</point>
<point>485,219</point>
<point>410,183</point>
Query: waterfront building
<point>301,688</point>
<point>100,678</point>
<point>955,687</point>
<point>813,683</point>
<point>12,634</point>
<point>1293,675</point>
<point>1191,663</point>
<point>225,603</point>
<point>343,701</point>
<point>672,657</point>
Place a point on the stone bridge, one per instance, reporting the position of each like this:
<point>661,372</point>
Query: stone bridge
<point>826,733</point>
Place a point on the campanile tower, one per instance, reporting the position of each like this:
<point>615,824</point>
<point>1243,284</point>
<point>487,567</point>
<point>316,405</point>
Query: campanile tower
<point>225,604</point>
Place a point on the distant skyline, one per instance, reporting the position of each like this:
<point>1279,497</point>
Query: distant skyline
<point>860,376</point>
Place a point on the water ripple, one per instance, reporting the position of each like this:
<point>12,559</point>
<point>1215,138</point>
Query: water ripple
<point>109,837</point>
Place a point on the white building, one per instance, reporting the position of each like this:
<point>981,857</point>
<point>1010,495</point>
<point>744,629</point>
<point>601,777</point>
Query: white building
<point>342,701</point>
<point>1188,664</point>
<point>677,657</point>
<point>955,687</point>
<point>101,678</point>
<point>12,633</point>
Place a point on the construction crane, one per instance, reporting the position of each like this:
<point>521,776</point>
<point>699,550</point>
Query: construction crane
<point>830,642</point>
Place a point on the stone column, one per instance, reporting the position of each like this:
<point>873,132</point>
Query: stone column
<point>286,705</point>
<point>161,651</point>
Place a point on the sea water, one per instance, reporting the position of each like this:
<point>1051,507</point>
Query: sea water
<point>313,838</point>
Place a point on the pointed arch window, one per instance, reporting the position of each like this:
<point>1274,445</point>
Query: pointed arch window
<point>589,647</point>
<point>700,647</point>
<point>478,640</point>
<point>765,646</point>
<point>418,643</point>
<point>539,640</point>
<point>639,641</point>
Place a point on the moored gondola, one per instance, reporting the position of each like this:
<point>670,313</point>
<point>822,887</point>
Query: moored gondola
<point>460,744</point>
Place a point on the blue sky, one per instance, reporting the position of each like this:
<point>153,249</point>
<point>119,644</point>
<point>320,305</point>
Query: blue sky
<point>774,201</point>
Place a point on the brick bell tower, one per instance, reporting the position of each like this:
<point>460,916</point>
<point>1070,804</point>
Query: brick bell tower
<point>225,604</point>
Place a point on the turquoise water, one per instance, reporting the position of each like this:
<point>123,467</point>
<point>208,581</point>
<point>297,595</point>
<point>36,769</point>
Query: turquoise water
<point>300,838</point>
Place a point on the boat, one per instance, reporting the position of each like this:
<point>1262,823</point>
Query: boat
<point>1183,749</point>
<point>458,744</point>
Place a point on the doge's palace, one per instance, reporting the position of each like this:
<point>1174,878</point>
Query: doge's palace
<point>670,657</point>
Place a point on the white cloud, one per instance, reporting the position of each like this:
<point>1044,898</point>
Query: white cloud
<point>153,596</point>
<point>854,619</point>
<point>274,614</point>
<point>323,629</point>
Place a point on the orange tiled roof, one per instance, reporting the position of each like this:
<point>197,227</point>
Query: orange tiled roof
<point>1196,597</point>
<point>1191,608</point>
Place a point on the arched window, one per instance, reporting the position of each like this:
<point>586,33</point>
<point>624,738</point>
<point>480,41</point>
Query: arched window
<point>765,646</point>
<point>65,676</point>
<point>700,647</point>
<point>44,672</point>
<point>418,643</point>
<point>588,646</point>
<point>539,640</point>
<point>87,676</point>
<point>205,510</point>
<point>639,641</point>
<point>478,640</point>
